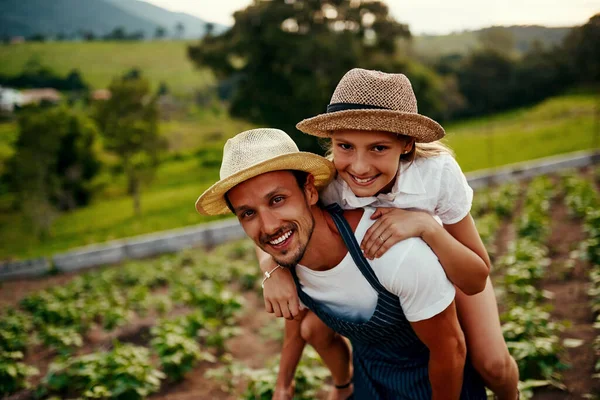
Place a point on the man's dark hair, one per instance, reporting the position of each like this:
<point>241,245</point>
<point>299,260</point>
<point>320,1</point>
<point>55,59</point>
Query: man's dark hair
<point>301,177</point>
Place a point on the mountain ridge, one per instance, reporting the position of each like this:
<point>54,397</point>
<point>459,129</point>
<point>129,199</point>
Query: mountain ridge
<point>71,17</point>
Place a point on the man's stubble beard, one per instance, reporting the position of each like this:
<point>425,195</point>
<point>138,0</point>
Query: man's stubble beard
<point>302,249</point>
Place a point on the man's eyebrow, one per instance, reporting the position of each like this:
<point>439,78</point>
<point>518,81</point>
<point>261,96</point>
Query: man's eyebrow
<point>266,196</point>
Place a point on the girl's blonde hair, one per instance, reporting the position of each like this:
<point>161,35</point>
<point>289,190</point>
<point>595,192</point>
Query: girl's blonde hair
<point>418,150</point>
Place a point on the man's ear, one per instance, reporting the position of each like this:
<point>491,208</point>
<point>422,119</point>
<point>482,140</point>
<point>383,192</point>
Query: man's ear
<point>310,191</point>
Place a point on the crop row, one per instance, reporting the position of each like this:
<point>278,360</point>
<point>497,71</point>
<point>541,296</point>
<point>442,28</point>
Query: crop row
<point>189,285</point>
<point>583,201</point>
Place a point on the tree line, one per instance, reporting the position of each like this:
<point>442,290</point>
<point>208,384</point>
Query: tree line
<point>61,150</point>
<point>281,60</point>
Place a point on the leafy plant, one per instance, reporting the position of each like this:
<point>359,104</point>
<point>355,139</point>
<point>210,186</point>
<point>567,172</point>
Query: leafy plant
<point>123,373</point>
<point>13,372</point>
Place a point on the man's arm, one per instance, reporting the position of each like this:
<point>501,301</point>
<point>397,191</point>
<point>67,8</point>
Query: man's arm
<point>447,352</point>
<point>279,291</point>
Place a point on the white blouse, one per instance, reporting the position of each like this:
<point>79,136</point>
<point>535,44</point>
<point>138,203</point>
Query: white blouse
<point>435,185</point>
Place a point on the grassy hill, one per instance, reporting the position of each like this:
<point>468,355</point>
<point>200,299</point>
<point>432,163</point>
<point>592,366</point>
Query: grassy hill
<point>558,125</point>
<point>463,42</point>
<point>99,62</point>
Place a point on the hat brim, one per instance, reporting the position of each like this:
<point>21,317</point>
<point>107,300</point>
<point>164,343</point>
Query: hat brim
<point>212,201</point>
<point>422,128</point>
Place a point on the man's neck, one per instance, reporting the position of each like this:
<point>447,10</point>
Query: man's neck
<point>326,248</point>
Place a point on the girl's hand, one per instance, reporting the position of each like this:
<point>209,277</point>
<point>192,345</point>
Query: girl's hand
<point>392,226</point>
<point>280,294</point>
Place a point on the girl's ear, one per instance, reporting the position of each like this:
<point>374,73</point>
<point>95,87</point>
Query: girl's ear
<point>410,143</point>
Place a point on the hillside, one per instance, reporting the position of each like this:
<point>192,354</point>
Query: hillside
<point>194,27</point>
<point>463,42</point>
<point>509,137</point>
<point>29,17</point>
<point>99,62</point>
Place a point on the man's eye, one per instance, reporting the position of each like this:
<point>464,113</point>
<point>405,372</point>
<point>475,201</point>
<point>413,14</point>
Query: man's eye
<point>246,214</point>
<point>277,199</point>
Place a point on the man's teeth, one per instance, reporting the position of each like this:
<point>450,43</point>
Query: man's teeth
<point>281,238</point>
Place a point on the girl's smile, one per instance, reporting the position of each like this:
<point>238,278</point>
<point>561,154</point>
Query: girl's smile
<point>368,161</point>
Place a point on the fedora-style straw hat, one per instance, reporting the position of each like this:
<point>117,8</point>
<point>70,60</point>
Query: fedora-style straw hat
<point>255,152</point>
<point>373,101</point>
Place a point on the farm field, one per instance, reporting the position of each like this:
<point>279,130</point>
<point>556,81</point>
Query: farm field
<point>99,62</point>
<point>558,125</point>
<point>192,325</point>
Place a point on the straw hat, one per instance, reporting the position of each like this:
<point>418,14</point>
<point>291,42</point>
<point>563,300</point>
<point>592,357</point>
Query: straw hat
<point>255,152</point>
<point>373,101</point>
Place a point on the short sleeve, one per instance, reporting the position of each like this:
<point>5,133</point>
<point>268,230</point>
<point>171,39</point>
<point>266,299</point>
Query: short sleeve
<point>455,195</point>
<point>421,283</point>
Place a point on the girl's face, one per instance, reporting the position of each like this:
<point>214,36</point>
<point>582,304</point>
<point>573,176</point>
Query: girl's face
<point>368,160</point>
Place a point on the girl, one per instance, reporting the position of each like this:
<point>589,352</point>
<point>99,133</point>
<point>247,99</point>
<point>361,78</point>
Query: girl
<point>388,156</point>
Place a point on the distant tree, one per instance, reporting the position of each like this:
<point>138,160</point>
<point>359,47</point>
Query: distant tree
<point>118,33</point>
<point>138,35</point>
<point>88,36</point>
<point>61,36</point>
<point>179,30</point>
<point>487,80</point>
<point>163,89</point>
<point>498,39</point>
<point>37,37</point>
<point>285,58</point>
<point>209,29</point>
<point>56,157</point>
<point>132,74</point>
<point>582,47</point>
<point>129,124</point>
<point>160,32</point>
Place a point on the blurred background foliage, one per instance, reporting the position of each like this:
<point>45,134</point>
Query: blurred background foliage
<point>143,121</point>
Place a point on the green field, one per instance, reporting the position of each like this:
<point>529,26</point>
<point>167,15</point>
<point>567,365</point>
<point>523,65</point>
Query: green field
<point>558,125</point>
<point>99,62</point>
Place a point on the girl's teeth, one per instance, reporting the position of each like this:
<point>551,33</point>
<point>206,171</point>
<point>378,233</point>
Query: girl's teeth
<point>362,180</point>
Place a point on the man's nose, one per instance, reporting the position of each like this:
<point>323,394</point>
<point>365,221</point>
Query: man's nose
<point>270,222</point>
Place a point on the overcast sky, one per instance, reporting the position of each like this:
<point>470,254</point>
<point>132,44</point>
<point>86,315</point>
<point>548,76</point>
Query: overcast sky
<point>432,16</point>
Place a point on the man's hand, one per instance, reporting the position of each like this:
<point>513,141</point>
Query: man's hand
<point>280,294</point>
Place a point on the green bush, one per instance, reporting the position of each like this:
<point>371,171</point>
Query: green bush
<point>178,352</point>
<point>125,373</point>
<point>13,372</point>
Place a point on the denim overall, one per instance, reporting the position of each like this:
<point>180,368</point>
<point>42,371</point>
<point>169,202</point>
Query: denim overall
<point>390,362</point>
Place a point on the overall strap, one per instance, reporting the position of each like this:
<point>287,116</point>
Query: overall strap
<point>353,247</point>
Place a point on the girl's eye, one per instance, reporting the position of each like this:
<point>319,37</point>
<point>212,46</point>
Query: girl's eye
<point>379,149</point>
<point>344,146</point>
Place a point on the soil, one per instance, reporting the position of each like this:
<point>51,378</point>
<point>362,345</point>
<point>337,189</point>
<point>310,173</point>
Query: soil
<point>254,348</point>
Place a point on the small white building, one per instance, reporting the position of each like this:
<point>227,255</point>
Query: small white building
<point>9,98</point>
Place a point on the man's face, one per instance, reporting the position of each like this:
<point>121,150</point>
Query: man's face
<point>275,213</point>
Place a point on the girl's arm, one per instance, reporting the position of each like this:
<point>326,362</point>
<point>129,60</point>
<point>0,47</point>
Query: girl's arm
<point>279,290</point>
<point>458,246</point>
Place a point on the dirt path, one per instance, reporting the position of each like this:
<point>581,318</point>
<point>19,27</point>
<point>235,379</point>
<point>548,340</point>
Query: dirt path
<point>569,285</point>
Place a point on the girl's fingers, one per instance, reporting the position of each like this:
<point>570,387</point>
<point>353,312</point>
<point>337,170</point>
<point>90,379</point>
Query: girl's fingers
<point>369,235</point>
<point>378,237</point>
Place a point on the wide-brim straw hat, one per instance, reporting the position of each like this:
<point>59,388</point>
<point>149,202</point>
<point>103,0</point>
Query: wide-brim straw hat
<point>373,101</point>
<point>255,152</point>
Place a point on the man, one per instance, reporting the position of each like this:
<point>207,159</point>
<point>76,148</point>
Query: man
<point>400,317</point>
